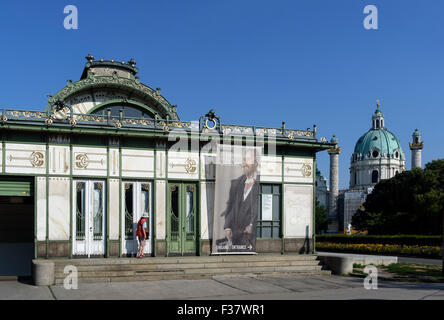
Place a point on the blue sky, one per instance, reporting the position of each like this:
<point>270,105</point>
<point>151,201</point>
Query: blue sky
<point>255,62</point>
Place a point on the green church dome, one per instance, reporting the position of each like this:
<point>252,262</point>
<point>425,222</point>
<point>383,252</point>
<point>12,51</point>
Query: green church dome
<point>380,140</point>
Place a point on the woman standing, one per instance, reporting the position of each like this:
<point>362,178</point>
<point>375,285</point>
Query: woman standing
<point>142,234</point>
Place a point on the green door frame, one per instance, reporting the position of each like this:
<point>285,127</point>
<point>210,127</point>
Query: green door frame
<point>184,243</point>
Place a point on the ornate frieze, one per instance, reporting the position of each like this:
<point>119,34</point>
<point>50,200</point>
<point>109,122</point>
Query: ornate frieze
<point>306,170</point>
<point>59,139</point>
<point>82,161</point>
<point>189,165</point>
<point>37,158</point>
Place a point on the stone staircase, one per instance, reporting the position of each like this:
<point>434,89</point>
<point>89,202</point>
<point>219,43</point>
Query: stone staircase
<point>173,268</point>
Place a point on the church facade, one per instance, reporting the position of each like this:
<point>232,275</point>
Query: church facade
<point>76,176</point>
<point>377,155</point>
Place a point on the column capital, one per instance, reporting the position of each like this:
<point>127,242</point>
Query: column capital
<point>336,150</point>
<point>416,145</point>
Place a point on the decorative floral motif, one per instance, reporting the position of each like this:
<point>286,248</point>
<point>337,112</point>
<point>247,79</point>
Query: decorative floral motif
<point>37,159</point>
<point>190,165</point>
<point>306,170</point>
<point>82,160</point>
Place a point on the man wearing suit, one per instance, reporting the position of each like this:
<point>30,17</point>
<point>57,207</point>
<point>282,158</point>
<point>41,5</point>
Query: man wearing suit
<point>242,206</point>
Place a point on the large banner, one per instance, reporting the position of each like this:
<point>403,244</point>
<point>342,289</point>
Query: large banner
<point>236,201</point>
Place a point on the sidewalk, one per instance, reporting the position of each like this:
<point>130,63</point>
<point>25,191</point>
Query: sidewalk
<point>230,288</point>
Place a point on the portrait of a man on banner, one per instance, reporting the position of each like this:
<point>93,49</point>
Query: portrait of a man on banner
<point>237,201</point>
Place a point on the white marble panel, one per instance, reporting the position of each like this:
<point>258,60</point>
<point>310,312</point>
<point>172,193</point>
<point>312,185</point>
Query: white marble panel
<point>25,158</point>
<point>160,210</point>
<point>183,165</point>
<point>113,209</point>
<point>298,170</point>
<point>206,209</point>
<point>298,211</point>
<point>271,168</point>
<point>160,164</point>
<point>59,193</point>
<point>89,161</point>
<point>114,164</point>
<point>58,160</point>
<point>41,208</point>
<point>137,163</point>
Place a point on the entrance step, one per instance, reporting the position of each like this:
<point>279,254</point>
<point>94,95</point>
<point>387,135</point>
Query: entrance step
<point>173,268</point>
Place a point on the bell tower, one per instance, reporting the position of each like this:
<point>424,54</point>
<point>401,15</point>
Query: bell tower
<point>416,147</point>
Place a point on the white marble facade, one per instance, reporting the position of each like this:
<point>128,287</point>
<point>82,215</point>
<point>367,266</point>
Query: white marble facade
<point>156,166</point>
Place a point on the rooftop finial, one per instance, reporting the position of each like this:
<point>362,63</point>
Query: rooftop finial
<point>377,103</point>
<point>132,62</point>
<point>89,57</point>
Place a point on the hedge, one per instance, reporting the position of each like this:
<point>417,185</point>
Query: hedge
<point>407,240</point>
<point>391,249</point>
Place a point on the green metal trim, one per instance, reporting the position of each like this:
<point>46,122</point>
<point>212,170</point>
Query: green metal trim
<point>199,211</point>
<point>197,216</point>
<point>29,143</point>
<point>47,198</point>
<point>120,199</point>
<point>3,156</point>
<point>35,217</point>
<point>154,203</point>
<point>107,211</point>
<point>283,206</point>
<point>91,92</point>
<point>314,205</point>
<point>21,175</point>
<point>298,183</point>
<point>154,219</point>
<point>71,195</point>
<point>167,206</point>
<point>144,133</point>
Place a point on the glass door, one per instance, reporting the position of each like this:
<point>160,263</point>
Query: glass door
<point>137,201</point>
<point>181,239</point>
<point>88,217</point>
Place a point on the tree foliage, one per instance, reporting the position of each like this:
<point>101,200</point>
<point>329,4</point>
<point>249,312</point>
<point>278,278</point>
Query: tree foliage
<point>412,202</point>
<point>321,217</point>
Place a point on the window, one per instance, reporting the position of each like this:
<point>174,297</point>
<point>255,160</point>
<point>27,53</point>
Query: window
<point>375,154</point>
<point>396,154</point>
<point>129,111</point>
<point>269,215</point>
<point>374,176</point>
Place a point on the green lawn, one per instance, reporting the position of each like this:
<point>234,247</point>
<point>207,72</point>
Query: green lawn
<point>405,272</point>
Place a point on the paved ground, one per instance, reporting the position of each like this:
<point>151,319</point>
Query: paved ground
<point>434,262</point>
<point>230,288</point>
